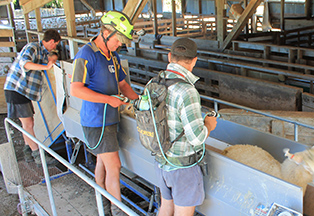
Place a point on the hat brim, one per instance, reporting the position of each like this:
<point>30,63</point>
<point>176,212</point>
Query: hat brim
<point>123,39</point>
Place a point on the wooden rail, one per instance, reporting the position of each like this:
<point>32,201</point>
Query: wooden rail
<point>7,41</point>
<point>291,54</point>
<point>299,36</point>
<point>247,66</point>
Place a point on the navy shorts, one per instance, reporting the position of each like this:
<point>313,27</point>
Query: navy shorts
<point>108,143</point>
<point>24,110</point>
<point>184,186</point>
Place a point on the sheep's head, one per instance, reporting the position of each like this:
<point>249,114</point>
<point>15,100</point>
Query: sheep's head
<point>305,158</point>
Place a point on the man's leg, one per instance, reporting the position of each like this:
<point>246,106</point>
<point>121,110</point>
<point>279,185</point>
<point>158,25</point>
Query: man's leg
<point>100,175</point>
<point>184,211</point>
<point>166,207</point>
<point>112,165</point>
<point>100,172</point>
<point>28,125</point>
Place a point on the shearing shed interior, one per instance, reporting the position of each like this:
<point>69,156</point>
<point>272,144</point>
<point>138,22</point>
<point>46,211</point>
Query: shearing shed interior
<point>256,69</point>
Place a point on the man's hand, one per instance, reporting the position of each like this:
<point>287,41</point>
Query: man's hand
<point>210,122</point>
<point>115,102</point>
<point>50,64</point>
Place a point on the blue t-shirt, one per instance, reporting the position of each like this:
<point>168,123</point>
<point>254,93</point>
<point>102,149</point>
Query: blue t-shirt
<point>97,72</point>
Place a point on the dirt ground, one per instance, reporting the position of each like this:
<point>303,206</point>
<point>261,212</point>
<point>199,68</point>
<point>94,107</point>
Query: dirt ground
<point>9,202</point>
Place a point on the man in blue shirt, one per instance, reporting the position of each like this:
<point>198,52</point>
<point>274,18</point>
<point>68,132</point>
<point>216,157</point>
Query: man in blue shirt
<point>98,78</point>
<point>23,85</point>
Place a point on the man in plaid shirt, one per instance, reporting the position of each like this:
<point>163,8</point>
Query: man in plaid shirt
<point>24,83</point>
<point>182,188</point>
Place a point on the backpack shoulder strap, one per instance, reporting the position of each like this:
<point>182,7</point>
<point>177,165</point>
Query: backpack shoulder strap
<point>170,82</point>
<point>178,137</point>
<point>160,78</point>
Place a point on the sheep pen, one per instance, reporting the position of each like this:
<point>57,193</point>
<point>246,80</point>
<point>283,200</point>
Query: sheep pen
<point>260,159</point>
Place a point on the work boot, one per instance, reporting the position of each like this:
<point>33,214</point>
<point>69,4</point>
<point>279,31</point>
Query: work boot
<point>49,160</point>
<point>116,211</point>
<point>28,154</point>
<point>107,206</point>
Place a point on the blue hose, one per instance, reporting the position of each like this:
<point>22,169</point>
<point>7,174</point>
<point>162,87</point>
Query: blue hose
<point>156,131</point>
<point>103,126</point>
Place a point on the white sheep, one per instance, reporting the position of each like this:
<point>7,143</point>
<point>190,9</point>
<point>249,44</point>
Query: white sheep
<point>291,170</point>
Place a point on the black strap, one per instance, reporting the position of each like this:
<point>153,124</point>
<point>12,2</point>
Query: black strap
<point>178,137</point>
<point>169,82</point>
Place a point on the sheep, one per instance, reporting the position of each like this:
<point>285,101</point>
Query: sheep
<point>291,170</point>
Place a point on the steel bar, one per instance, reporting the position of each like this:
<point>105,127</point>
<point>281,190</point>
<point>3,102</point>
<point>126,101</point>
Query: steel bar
<point>75,170</point>
<point>47,179</point>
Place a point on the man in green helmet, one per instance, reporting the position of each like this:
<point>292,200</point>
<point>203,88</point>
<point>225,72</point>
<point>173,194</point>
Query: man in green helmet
<point>97,76</point>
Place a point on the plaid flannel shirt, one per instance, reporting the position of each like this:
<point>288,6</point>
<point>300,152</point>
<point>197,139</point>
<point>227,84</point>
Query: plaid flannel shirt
<point>27,82</point>
<point>184,113</point>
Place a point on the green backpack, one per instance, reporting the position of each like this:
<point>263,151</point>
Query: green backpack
<point>151,115</point>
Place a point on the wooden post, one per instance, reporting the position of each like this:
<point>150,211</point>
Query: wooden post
<point>246,29</point>
<point>174,18</point>
<point>123,3</point>
<point>220,21</point>
<point>71,29</point>
<point>282,16</point>
<point>200,7</point>
<point>38,22</point>
<point>183,6</point>
<point>101,6</point>
<point>291,58</point>
<point>308,9</point>
<point>27,27</point>
<point>154,2</point>
<point>113,5</point>
<point>266,54</point>
<point>12,24</point>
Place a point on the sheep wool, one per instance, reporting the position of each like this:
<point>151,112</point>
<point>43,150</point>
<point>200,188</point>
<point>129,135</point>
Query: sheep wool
<point>255,157</point>
<point>295,174</point>
<point>258,158</point>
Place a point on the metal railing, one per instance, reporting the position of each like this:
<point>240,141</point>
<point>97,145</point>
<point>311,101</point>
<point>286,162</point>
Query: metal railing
<point>295,123</point>
<point>98,190</point>
<point>218,101</point>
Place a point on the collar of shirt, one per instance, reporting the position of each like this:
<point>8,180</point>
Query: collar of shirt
<point>189,76</point>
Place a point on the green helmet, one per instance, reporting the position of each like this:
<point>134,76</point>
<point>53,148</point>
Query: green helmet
<point>119,21</point>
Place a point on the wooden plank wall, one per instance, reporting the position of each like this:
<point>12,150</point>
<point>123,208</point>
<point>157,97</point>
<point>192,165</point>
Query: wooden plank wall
<point>308,102</point>
<point>7,41</point>
<point>233,88</point>
<point>3,104</point>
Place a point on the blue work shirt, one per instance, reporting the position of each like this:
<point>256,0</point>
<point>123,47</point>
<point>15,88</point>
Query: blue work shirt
<point>93,68</point>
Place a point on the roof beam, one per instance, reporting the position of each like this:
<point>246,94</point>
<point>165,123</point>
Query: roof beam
<point>23,2</point>
<point>5,2</point>
<point>33,4</point>
<point>133,8</point>
<point>243,19</point>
